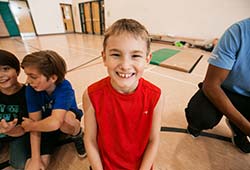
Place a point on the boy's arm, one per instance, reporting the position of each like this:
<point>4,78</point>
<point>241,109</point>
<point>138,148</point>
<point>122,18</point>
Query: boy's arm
<point>51,123</point>
<point>35,162</point>
<point>90,133</point>
<point>55,120</point>
<point>154,139</point>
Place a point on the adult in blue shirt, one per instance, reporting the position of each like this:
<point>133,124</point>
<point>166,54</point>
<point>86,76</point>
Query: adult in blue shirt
<point>226,88</point>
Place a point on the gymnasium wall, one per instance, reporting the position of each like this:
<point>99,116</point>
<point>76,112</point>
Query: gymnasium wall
<point>203,19</point>
<point>47,16</point>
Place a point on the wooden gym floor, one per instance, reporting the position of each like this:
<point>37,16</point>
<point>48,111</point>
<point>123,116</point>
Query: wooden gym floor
<point>178,150</point>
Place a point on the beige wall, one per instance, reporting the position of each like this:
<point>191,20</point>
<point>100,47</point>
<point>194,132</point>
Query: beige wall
<point>193,18</point>
<point>205,19</point>
<point>47,16</point>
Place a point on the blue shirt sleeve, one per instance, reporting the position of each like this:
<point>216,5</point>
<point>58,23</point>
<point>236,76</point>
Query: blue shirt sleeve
<point>224,54</point>
<point>64,97</point>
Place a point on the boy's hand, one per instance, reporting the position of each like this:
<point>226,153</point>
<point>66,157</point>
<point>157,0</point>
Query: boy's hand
<point>6,127</point>
<point>26,124</point>
<point>33,164</point>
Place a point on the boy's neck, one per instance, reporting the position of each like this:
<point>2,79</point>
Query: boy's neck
<point>51,89</point>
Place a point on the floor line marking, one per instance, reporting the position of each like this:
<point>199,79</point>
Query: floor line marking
<point>166,76</point>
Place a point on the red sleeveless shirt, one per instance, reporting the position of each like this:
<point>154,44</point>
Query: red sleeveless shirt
<point>124,122</point>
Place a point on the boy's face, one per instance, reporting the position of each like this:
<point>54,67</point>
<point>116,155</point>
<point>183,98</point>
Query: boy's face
<point>38,81</point>
<point>125,58</point>
<point>8,77</point>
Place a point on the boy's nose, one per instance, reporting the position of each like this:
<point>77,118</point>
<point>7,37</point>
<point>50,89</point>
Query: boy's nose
<point>125,63</point>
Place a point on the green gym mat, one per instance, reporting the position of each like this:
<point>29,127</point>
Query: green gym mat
<point>161,55</point>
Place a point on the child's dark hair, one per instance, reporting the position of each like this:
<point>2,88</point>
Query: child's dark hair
<point>48,63</point>
<point>7,58</point>
<point>130,26</point>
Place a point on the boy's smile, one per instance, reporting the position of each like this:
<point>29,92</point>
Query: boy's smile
<point>8,79</point>
<point>125,75</point>
<point>125,58</point>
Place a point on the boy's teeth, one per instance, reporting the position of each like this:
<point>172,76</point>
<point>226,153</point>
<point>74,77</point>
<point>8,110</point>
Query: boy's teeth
<point>125,75</point>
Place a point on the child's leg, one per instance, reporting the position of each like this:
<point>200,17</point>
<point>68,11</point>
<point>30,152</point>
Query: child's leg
<point>19,151</point>
<point>71,125</point>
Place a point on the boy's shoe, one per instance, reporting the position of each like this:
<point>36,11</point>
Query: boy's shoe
<point>241,142</point>
<point>78,141</point>
<point>193,132</point>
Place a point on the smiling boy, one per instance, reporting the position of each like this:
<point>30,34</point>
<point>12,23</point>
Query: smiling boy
<point>123,110</point>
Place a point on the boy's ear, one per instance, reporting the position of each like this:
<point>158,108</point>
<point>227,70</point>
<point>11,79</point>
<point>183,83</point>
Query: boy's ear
<point>104,57</point>
<point>54,78</point>
<point>148,58</point>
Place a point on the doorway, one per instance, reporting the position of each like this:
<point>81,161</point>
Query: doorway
<point>92,17</point>
<point>22,16</point>
<point>67,18</point>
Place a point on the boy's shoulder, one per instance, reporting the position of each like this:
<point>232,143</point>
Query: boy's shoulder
<point>63,84</point>
<point>63,87</point>
<point>99,85</point>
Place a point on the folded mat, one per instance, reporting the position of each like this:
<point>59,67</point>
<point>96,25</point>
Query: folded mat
<point>161,55</point>
<point>184,61</point>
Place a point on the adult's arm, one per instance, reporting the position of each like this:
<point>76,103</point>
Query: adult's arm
<point>212,89</point>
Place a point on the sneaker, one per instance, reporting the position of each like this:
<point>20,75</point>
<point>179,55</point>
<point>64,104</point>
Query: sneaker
<point>193,132</point>
<point>78,141</point>
<point>241,142</point>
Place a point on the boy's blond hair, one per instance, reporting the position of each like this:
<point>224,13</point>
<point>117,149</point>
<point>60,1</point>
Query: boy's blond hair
<point>48,63</point>
<point>130,26</point>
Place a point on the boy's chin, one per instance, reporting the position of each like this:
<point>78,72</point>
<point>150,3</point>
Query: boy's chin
<point>37,89</point>
<point>6,85</point>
